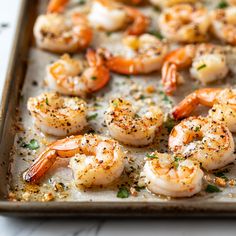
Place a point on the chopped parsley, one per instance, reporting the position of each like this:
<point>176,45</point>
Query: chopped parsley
<point>114,103</point>
<point>156,34</point>
<point>92,117</point>
<point>81,2</point>
<point>221,174</point>
<point>123,192</point>
<point>32,145</point>
<point>176,161</point>
<point>169,124</point>
<point>108,33</point>
<point>152,156</point>
<point>212,189</point>
<point>222,5</point>
<point>93,78</point>
<point>138,188</point>
<point>201,67</point>
<point>47,101</point>
<point>197,128</point>
<point>142,97</point>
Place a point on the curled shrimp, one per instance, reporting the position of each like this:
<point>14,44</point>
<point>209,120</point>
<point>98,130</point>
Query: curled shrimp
<point>57,6</point>
<point>128,127</point>
<point>94,160</point>
<point>207,61</point>
<point>170,3</point>
<point>111,16</point>
<point>204,140</point>
<point>59,33</point>
<point>184,23</point>
<point>148,54</point>
<point>57,115</point>
<point>69,76</point>
<point>172,175</point>
<point>224,24</point>
<point>222,101</point>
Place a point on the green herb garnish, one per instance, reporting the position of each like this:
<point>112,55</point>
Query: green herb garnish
<point>169,124</point>
<point>47,101</point>
<point>212,189</point>
<point>81,2</point>
<point>197,128</point>
<point>92,117</point>
<point>152,156</point>
<point>142,97</point>
<point>201,67</point>
<point>93,78</point>
<point>123,192</point>
<point>32,145</point>
<point>221,174</point>
<point>156,34</point>
<point>222,5</point>
<point>176,161</point>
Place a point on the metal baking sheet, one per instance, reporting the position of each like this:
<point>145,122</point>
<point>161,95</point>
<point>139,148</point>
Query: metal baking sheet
<point>26,78</point>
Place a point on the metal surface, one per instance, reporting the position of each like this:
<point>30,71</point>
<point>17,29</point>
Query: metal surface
<point>10,99</point>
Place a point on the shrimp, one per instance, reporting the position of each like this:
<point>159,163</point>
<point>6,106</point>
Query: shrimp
<point>185,23</point>
<point>68,75</point>
<point>128,127</point>
<point>172,175</point>
<point>208,63</point>
<point>94,160</point>
<point>170,3</point>
<point>56,6</point>
<point>59,33</point>
<point>147,51</point>
<point>111,16</point>
<point>222,101</point>
<point>57,115</point>
<point>224,24</point>
<point>204,140</point>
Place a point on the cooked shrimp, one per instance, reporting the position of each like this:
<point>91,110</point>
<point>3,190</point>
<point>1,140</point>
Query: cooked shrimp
<point>128,127</point>
<point>68,75</point>
<point>172,175</point>
<point>56,6</point>
<point>185,23</point>
<point>222,101</point>
<point>204,140</point>
<point>95,160</point>
<point>59,33</point>
<point>111,16</point>
<point>146,56</point>
<point>57,115</point>
<point>208,64</point>
<point>170,3</point>
<point>224,24</point>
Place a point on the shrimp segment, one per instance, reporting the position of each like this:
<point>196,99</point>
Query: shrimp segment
<point>170,3</point>
<point>222,101</point>
<point>56,6</point>
<point>208,64</point>
<point>68,76</point>
<point>148,55</point>
<point>172,175</point>
<point>59,33</point>
<point>128,127</point>
<point>206,141</point>
<point>111,16</point>
<point>95,160</point>
<point>57,115</point>
<point>184,23</point>
<point>224,24</point>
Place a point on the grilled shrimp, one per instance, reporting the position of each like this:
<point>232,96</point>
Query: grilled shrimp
<point>59,33</point>
<point>68,76</point>
<point>204,140</point>
<point>185,23</point>
<point>128,127</point>
<point>207,61</point>
<point>224,24</point>
<point>146,55</point>
<point>110,16</point>
<point>94,160</point>
<point>170,3</point>
<point>57,115</point>
<point>172,175</point>
<point>222,101</point>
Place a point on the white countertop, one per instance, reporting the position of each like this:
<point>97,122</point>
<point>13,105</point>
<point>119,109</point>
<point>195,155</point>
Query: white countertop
<point>101,227</point>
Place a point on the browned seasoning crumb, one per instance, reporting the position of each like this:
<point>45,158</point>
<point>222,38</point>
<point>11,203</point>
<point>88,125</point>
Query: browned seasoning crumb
<point>47,197</point>
<point>133,192</point>
<point>150,89</point>
<point>26,196</point>
<point>232,182</point>
<point>59,187</point>
<point>220,182</point>
<point>11,196</point>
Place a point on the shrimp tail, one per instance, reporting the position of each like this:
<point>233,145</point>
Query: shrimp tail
<point>56,6</point>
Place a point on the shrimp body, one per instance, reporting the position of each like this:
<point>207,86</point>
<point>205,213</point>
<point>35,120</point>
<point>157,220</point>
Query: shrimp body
<point>224,24</point>
<point>128,127</point>
<point>59,33</point>
<point>111,16</point>
<point>69,76</point>
<point>95,160</point>
<point>184,23</point>
<point>206,141</point>
<point>207,62</point>
<point>172,175</point>
<point>170,3</point>
<point>147,56</point>
<point>57,115</point>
